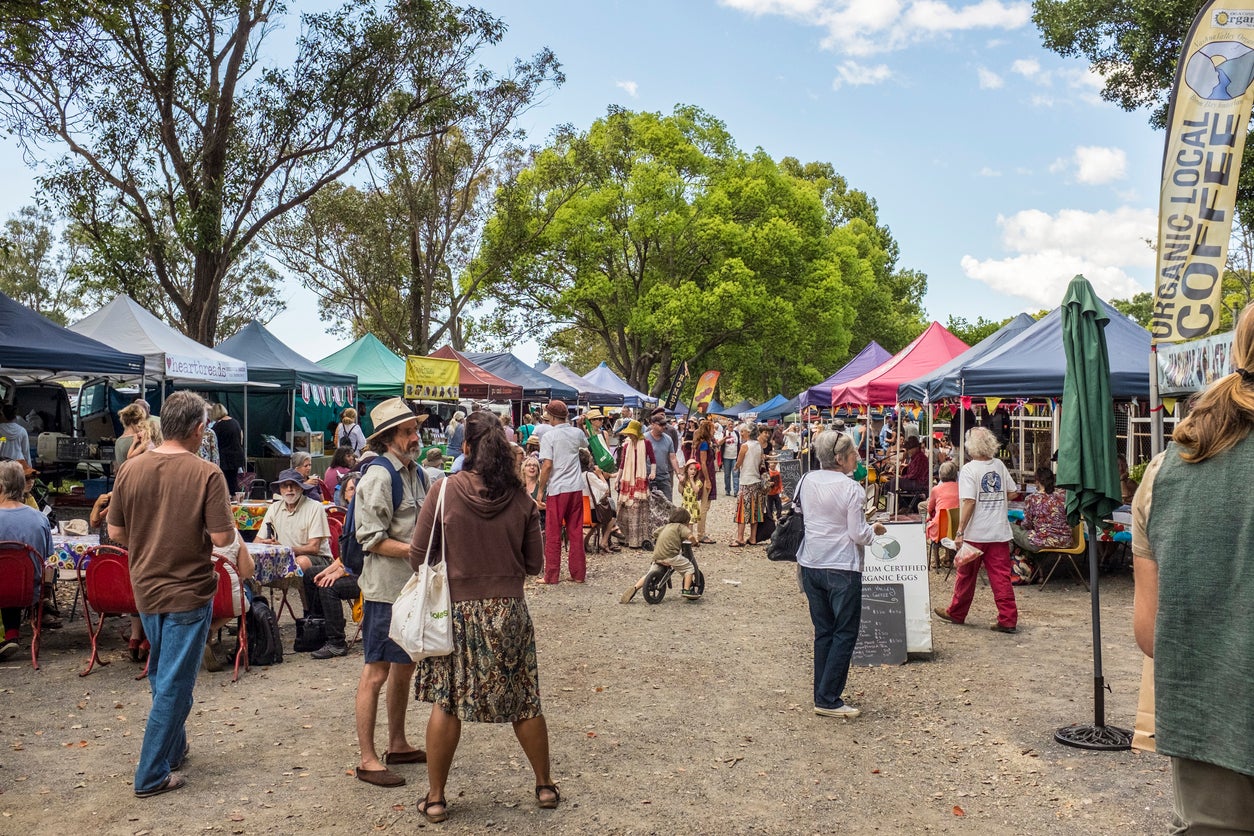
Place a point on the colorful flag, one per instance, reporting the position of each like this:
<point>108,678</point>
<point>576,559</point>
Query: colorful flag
<point>678,384</point>
<point>705,391</point>
<point>1206,124</point>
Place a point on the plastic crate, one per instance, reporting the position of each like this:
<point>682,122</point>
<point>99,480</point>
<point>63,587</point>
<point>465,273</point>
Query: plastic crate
<point>93,488</point>
<point>73,449</point>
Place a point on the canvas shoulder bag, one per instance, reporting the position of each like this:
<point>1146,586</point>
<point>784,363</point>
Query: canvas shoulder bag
<point>422,621</point>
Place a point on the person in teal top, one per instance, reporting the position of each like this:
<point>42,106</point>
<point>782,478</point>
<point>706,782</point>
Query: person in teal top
<point>1194,566</point>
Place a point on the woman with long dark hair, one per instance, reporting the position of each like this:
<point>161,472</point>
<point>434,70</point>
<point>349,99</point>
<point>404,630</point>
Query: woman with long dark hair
<point>1191,524</point>
<point>491,538</point>
<point>705,452</point>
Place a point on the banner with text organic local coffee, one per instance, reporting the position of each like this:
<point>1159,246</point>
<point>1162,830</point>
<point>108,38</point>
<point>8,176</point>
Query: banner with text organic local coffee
<point>1210,107</point>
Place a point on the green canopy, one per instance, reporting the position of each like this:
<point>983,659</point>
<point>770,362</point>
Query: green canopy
<point>1087,454</point>
<point>380,373</point>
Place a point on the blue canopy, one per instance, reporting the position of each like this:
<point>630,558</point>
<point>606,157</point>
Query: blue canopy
<point>32,344</point>
<point>1032,363</point>
<point>868,358</point>
<point>535,385</point>
<point>946,382</point>
<point>779,410</point>
<point>589,392</point>
<point>736,409</point>
<point>603,377</point>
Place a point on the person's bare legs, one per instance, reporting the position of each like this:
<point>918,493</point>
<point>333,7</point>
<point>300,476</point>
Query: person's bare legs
<point>373,675</point>
<point>533,734</point>
<point>398,698</point>
<point>444,730</point>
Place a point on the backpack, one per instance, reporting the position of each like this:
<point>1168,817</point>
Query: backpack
<point>265,644</point>
<point>352,555</point>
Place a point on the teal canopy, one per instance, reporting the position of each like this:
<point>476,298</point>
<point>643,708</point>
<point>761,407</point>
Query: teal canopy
<point>380,373</point>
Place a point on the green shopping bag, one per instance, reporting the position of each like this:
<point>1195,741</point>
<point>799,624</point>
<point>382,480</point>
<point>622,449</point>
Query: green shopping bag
<point>600,454</point>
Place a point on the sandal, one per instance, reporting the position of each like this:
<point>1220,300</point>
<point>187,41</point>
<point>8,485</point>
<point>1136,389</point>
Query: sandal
<point>173,781</point>
<point>737,544</point>
<point>707,540</point>
<point>425,806</point>
<point>547,804</point>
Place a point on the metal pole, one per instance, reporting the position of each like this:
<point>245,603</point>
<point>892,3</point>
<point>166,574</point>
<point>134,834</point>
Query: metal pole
<point>1099,682</point>
<point>1156,406</point>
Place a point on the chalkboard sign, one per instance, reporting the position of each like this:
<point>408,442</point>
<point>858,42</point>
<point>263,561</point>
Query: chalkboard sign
<point>790,472</point>
<point>882,633</point>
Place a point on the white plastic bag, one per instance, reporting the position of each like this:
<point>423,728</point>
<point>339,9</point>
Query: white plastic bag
<point>421,617</point>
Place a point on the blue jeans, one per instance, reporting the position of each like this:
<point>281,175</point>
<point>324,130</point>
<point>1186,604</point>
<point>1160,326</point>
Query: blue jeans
<point>177,641</point>
<point>836,609</point>
<point>731,477</point>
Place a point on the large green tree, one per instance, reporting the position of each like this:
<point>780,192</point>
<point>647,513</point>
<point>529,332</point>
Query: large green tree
<point>397,256</point>
<point>176,129</point>
<point>680,247</point>
<point>36,263</point>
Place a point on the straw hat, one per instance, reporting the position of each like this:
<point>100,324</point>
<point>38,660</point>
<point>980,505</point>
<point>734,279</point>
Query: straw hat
<point>593,414</point>
<point>632,429</point>
<point>391,413</point>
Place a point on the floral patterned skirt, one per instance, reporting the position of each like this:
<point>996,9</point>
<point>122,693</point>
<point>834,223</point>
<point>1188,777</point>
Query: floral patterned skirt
<point>491,675</point>
<point>751,504</point>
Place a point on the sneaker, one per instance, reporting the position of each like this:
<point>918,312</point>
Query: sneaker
<point>210,660</point>
<point>690,594</point>
<point>944,615</point>
<point>997,628</point>
<point>846,712</point>
<point>329,651</point>
<point>628,595</point>
<point>7,648</point>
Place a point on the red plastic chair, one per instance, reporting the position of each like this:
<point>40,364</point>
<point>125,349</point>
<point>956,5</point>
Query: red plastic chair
<point>225,605</point>
<point>21,577</point>
<point>336,524</point>
<point>106,588</point>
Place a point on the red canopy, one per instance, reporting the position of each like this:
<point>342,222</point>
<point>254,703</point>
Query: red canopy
<point>878,387</point>
<point>477,382</point>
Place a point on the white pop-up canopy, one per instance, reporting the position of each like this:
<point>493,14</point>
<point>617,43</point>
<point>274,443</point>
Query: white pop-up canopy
<point>168,355</point>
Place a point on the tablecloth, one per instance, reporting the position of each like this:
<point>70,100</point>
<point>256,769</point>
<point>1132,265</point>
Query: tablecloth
<point>273,562</point>
<point>68,551</point>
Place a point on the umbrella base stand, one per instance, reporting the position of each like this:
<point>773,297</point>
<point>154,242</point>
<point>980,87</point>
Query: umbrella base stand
<point>1105,738</point>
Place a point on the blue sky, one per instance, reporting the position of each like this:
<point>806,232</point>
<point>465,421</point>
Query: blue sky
<point>998,168</point>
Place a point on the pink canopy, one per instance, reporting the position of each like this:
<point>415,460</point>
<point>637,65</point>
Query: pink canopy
<point>878,387</point>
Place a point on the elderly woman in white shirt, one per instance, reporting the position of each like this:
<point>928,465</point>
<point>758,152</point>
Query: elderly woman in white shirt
<point>830,565</point>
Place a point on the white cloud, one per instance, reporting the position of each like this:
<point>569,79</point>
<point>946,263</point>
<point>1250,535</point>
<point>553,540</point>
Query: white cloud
<point>989,172</point>
<point>853,74</point>
<point>1095,166</point>
<point>630,86</point>
<point>867,27</point>
<point>1049,249</point>
<point>1028,68</point>
<point>1040,100</point>
<point>989,80</point>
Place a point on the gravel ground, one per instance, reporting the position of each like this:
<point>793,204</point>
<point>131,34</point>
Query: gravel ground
<point>686,716</point>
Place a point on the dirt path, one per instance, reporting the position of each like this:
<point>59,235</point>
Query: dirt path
<point>679,717</point>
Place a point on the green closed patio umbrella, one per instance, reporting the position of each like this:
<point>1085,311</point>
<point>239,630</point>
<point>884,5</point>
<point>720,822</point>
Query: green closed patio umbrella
<point>1089,472</point>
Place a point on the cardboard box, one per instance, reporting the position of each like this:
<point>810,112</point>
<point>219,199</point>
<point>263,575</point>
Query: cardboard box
<point>311,443</point>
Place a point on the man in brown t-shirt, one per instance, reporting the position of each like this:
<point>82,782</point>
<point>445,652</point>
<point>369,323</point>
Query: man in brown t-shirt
<point>170,509</point>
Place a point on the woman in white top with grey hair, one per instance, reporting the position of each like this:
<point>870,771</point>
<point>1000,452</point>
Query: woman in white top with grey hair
<point>830,565</point>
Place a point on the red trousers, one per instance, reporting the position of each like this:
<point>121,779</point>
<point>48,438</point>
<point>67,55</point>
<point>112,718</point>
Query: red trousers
<point>996,560</point>
<point>563,509</point>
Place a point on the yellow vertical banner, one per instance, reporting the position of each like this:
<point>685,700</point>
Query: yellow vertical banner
<point>1206,125</point>
<point>431,378</point>
<point>705,391</point>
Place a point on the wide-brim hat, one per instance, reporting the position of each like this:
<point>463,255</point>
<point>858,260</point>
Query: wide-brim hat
<point>594,413</point>
<point>633,429</point>
<point>28,471</point>
<point>289,475</point>
<point>391,413</point>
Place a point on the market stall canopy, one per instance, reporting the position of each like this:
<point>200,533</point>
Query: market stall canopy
<point>946,382</point>
<point>878,387</point>
<point>589,392</point>
<point>1032,365</point>
<point>168,354</point>
<point>35,346</point>
<point>535,385</point>
<point>774,411</point>
<point>271,361</point>
<point>479,383</point>
<point>380,373</point>
<point>604,377</point>
<point>868,358</point>
<point>736,409</point>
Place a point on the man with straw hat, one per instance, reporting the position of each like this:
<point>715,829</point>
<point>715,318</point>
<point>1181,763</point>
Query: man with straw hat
<point>384,531</point>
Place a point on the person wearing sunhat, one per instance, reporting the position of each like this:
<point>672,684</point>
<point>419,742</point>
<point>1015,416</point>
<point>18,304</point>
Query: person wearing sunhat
<point>384,532</point>
<point>300,523</point>
<point>595,419</point>
<point>561,494</point>
<point>635,468</point>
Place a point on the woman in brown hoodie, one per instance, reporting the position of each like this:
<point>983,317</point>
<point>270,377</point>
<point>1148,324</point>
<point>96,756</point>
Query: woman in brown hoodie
<point>492,541</point>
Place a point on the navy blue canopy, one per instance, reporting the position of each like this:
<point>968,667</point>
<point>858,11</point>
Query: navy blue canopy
<point>736,409</point>
<point>32,344</point>
<point>946,382</point>
<point>535,385</point>
<point>1032,364</point>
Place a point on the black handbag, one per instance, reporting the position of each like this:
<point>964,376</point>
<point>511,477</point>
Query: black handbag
<point>311,634</point>
<point>789,533</point>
